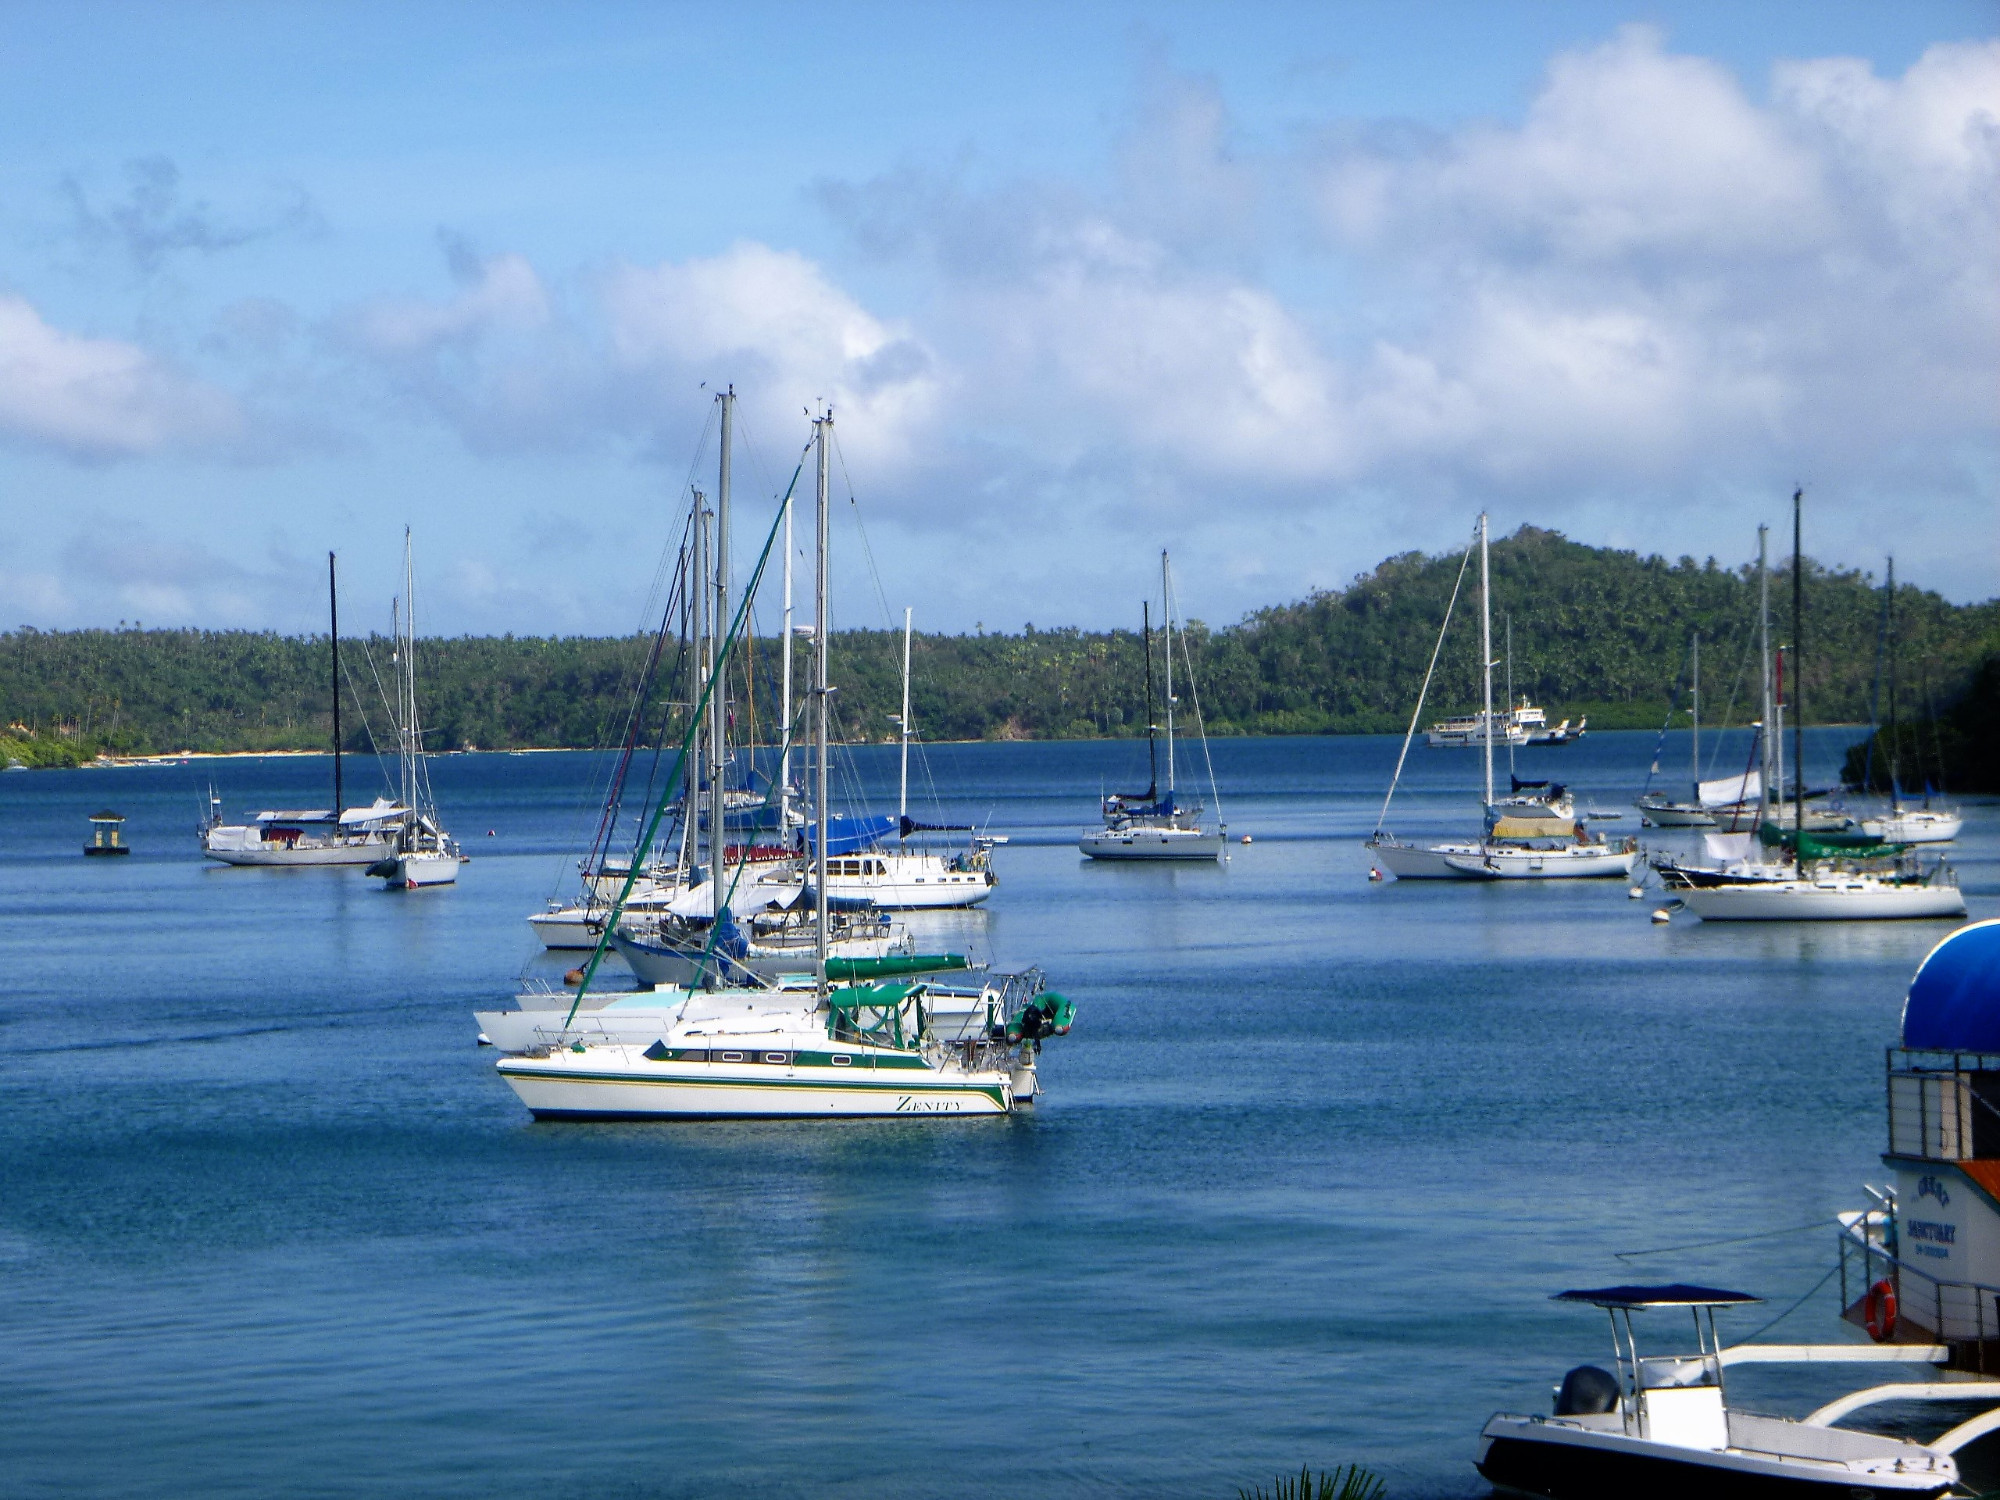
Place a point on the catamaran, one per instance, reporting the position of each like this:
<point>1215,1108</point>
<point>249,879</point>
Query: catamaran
<point>423,853</point>
<point>1152,825</point>
<point>1533,837</point>
<point>817,1050</point>
<point>336,835</point>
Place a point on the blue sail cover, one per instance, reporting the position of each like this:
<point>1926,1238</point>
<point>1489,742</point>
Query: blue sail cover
<point>849,835</point>
<point>1954,1002</point>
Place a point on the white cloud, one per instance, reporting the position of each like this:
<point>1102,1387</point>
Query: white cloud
<point>773,322</point>
<point>97,398</point>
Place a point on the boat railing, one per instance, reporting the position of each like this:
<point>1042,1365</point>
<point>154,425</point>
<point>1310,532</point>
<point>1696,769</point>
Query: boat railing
<point>1965,1313</point>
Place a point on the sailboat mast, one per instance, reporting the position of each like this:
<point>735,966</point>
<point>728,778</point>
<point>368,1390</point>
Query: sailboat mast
<point>1798,662</point>
<point>1167,631</point>
<point>718,713</point>
<point>1895,789</point>
<point>785,691</point>
<point>903,779</point>
<point>820,652</point>
<point>408,686</point>
<point>1767,733</point>
<point>333,634</point>
<point>704,655</point>
<point>1695,675</point>
<point>1486,649</point>
<point>1152,728</point>
<point>1510,695</point>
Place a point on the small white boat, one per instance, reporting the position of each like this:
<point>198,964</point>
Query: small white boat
<point>904,879</point>
<point>1915,825</point>
<point>1152,840</point>
<point>1468,731</point>
<point>1830,892</point>
<point>1660,1425</point>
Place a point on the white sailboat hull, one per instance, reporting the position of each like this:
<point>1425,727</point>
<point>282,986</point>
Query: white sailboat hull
<point>1915,826</point>
<point>1151,843</point>
<point>641,1019</point>
<point>1831,899</point>
<point>618,1081</point>
<point>1664,814</point>
<point>424,868</point>
<point>1577,862</point>
<point>1416,862</point>
<point>277,854</point>
<point>658,964</point>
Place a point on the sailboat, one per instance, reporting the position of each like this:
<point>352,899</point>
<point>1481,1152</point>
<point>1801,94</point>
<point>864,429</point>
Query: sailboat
<point>423,853</point>
<point>1905,825</point>
<point>1660,809</point>
<point>1524,837</point>
<point>1152,826</point>
<point>811,1050</point>
<point>337,835</point>
<point>1815,879</point>
<point>863,867</point>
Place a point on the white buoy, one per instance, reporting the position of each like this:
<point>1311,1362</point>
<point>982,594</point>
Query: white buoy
<point>1637,892</point>
<point>1661,914</point>
<point>1374,874</point>
<point>1246,838</point>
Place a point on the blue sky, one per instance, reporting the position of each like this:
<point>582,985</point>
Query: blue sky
<point>1286,288</point>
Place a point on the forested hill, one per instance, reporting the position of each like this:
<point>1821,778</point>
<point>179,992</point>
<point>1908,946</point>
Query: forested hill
<point>1594,631</point>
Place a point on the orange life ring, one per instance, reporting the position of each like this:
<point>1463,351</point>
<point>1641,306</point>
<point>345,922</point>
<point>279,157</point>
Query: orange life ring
<point>1878,1311</point>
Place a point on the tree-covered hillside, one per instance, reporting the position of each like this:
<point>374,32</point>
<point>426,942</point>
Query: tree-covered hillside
<point>1594,631</point>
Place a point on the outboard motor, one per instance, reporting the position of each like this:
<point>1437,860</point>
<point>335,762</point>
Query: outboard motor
<point>1587,1391</point>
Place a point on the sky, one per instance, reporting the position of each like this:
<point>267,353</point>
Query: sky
<point>1285,289</point>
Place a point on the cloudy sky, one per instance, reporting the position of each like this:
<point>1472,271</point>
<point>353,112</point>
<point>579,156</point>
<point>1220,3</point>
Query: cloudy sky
<point>1285,288</point>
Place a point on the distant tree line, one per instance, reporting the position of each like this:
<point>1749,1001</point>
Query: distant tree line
<point>1594,631</point>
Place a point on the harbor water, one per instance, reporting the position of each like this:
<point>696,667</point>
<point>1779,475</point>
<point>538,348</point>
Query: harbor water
<point>1303,1177</point>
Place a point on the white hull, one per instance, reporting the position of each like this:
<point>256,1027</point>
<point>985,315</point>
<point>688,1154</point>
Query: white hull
<point>1151,843</point>
<point>1675,814</point>
<point>1915,826</point>
<point>571,929</point>
<point>619,1081</point>
<point>280,855</point>
<point>897,882</point>
<point>422,869</point>
<point>1578,862</point>
<point>1833,898</point>
<point>1414,862</point>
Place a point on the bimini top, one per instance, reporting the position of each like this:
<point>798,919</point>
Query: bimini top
<point>1676,1295</point>
<point>1954,1001</point>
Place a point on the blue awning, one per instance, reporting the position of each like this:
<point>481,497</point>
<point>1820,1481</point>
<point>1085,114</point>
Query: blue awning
<point>849,835</point>
<point>1675,1294</point>
<point>1954,1001</point>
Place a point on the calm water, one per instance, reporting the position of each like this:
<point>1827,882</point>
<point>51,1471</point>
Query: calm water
<point>1305,1173</point>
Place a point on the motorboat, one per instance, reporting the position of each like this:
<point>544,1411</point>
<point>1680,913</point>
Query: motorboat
<point>1156,825</point>
<point>309,836</point>
<point>1661,1424</point>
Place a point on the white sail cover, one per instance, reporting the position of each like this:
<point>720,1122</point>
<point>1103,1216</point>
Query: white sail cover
<point>1727,849</point>
<point>1731,790</point>
<point>751,895</point>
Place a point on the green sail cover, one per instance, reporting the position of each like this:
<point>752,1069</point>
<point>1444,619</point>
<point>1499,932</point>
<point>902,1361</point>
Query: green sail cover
<point>1837,846</point>
<point>1822,845</point>
<point>893,966</point>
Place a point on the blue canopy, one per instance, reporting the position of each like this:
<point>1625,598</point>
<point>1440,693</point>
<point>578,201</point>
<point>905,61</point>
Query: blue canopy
<point>1954,1002</point>
<point>849,835</point>
<point>1675,1294</point>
